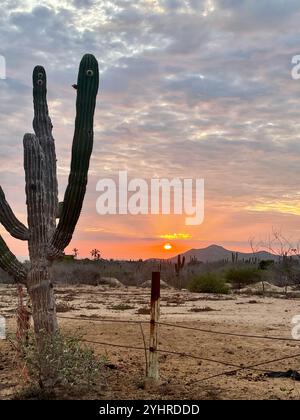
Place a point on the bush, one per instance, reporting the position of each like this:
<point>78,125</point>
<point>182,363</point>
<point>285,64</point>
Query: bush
<point>208,283</point>
<point>265,264</point>
<point>71,366</point>
<point>243,276</point>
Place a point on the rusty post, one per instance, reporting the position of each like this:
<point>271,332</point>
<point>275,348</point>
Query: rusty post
<point>23,317</point>
<point>153,371</point>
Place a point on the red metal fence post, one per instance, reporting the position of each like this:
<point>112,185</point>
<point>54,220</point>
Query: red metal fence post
<point>153,371</point>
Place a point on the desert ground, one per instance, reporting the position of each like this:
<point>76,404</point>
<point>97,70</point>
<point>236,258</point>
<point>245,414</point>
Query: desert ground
<point>98,309</point>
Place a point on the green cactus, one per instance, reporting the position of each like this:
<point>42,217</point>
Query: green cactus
<point>234,257</point>
<point>10,264</point>
<point>46,241</point>
<point>178,268</point>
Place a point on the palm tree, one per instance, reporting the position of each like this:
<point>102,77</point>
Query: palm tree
<point>75,252</point>
<point>95,253</point>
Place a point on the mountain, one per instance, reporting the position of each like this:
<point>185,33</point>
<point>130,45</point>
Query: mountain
<point>218,253</point>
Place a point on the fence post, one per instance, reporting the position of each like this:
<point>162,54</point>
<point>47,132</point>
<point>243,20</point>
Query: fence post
<point>153,370</point>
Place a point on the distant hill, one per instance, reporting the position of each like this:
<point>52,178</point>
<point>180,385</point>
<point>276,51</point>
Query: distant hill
<point>218,253</point>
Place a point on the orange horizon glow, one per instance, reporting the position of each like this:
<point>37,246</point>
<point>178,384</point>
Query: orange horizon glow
<point>138,237</point>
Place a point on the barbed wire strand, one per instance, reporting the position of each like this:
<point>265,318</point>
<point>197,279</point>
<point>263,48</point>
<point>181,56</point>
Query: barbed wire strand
<point>249,367</point>
<point>62,292</point>
<point>261,337</point>
<point>121,321</point>
<point>228,333</point>
<point>183,354</point>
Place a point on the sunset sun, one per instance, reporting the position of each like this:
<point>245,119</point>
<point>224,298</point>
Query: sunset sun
<point>168,247</point>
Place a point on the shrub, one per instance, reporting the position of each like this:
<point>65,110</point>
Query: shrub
<point>243,276</point>
<point>72,367</point>
<point>208,283</point>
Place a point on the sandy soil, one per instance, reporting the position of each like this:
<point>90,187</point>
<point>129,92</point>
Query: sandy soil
<point>181,377</point>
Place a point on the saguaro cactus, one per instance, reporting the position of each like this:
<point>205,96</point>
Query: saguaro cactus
<point>234,257</point>
<point>46,241</point>
<point>178,268</point>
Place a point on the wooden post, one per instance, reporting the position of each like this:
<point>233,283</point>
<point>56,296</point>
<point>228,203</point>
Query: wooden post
<point>153,371</point>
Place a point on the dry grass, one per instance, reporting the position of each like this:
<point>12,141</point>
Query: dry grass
<point>205,309</point>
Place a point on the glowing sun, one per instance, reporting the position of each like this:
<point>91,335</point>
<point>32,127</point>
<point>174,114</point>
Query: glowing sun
<point>167,247</point>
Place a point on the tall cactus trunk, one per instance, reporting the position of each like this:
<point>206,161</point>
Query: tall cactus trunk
<point>41,294</point>
<point>44,318</point>
<point>39,283</point>
<point>40,290</point>
<point>38,280</point>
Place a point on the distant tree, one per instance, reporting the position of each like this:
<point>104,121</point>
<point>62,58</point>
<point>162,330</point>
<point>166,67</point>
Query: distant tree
<point>95,253</point>
<point>75,252</point>
<point>288,255</point>
<point>263,265</point>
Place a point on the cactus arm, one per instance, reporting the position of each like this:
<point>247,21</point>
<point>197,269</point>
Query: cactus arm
<point>9,220</point>
<point>42,126</point>
<point>34,165</point>
<point>10,264</point>
<point>87,88</point>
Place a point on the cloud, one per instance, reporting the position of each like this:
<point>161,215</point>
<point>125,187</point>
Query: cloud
<point>257,15</point>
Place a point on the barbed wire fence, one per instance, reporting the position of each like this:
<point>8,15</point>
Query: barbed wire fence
<point>152,367</point>
<point>253,367</point>
<point>153,350</point>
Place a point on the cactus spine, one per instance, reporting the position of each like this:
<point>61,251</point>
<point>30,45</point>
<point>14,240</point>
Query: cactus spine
<point>46,241</point>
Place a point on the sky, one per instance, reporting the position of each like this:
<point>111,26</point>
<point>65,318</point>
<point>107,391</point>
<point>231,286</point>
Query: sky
<point>188,88</point>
